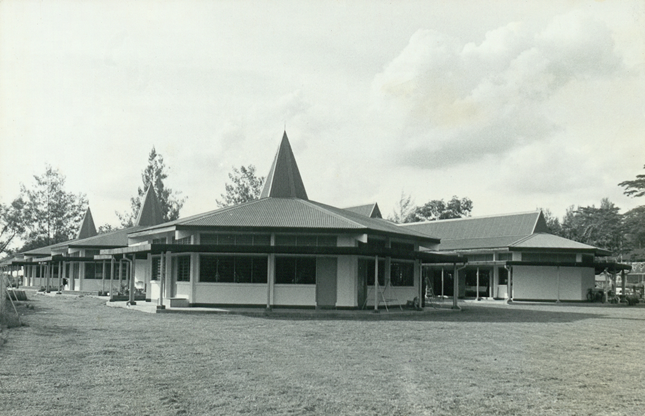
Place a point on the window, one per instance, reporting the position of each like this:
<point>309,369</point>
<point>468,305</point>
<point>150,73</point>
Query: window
<point>402,274</point>
<point>503,276</point>
<point>159,240</point>
<point>480,257</point>
<point>549,257</point>
<point>233,269</point>
<point>156,268</point>
<point>366,271</point>
<point>181,241</point>
<point>306,240</point>
<point>236,239</point>
<point>181,268</point>
<point>295,270</point>
<point>401,246</point>
<point>90,271</point>
<point>504,256</point>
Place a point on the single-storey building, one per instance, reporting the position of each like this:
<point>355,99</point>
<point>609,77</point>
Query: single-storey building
<point>282,250</point>
<point>71,265</point>
<point>513,256</point>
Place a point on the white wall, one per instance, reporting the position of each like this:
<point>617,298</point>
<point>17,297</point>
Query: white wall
<point>229,293</point>
<point>294,295</point>
<point>346,290</point>
<point>541,282</point>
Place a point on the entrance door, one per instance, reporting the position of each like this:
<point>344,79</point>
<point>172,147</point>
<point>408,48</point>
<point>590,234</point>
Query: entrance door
<point>326,271</point>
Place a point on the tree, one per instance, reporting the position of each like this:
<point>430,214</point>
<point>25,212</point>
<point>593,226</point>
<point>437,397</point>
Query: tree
<point>552,222</point>
<point>245,186</point>
<point>635,226</point>
<point>438,209</point>
<point>12,224</point>
<point>600,227</point>
<point>51,215</point>
<point>154,174</point>
<point>403,210</point>
<point>635,188</point>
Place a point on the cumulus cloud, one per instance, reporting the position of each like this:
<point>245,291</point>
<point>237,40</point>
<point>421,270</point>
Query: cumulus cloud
<point>457,102</point>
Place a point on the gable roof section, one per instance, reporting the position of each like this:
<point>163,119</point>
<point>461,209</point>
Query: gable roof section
<point>290,214</point>
<point>546,241</point>
<point>369,210</point>
<point>150,212</point>
<point>87,228</point>
<point>284,180</point>
<point>482,232</point>
<point>116,238</point>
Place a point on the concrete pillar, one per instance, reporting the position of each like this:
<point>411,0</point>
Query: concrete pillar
<point>455,286</point>
<point>103,271</point>
<point>112,276</point>
<point>132,269</point>
<point>376,284</point>
<point>477,294</point>
<point>270,280</point>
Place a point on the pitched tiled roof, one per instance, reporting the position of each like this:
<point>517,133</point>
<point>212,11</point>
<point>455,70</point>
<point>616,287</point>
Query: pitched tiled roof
<point>283,180</point>
<point>369,210</point>
<point>116,238</point>
<point>490,227</point>
<point>550,241</point>
<point>290,213</point>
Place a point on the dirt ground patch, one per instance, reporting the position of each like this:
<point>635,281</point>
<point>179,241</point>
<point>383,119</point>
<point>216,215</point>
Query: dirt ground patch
<point>78,356</point>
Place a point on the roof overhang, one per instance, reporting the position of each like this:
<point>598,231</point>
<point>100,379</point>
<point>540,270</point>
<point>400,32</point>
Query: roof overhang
<point>154,249</point>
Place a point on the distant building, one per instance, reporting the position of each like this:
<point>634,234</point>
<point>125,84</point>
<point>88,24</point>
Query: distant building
<point>513,256</point>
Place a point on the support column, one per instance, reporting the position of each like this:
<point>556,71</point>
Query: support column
<point>455,288</point>
<point>376,284</point>
<point>112,275</point>
<point>120,274</point>
<point>60,276</point>
<point>477,294</point>
<point>510,285</point>
<point>442,287</point>
<point>103,279</point>
<point>623,285</point>
<point>162,278</point>
<point>132,268</point>
<point>270,280</point>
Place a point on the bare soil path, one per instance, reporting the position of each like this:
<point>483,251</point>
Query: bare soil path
<point>78,356</point>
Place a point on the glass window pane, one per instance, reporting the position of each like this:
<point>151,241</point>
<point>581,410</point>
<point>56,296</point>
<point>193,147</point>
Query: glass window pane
<point>285,270</point>
<point>243,269</point>
<point>305,271</point>
<point>262,240</point>
<point>260,269</point>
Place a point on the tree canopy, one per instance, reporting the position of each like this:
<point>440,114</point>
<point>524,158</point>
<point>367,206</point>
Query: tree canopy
<point>12,224</point>
<point>436,209</point>
<point>49,214</point>
<point>154,174</point>
<point>636,187</point>
<point>245,186</point>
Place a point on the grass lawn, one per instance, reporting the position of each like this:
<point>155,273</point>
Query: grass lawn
<point>78,356</point>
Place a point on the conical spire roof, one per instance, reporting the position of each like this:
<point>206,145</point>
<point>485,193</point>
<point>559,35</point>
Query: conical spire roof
<point>283,180</point>
<point>87,226</point>
<point>150,212</point>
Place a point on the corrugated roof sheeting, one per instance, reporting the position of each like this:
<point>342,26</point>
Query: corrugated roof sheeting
<point>520,225</point>
<point>542,240</point>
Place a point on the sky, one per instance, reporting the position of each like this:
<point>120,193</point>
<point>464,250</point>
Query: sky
<point>515,105</point>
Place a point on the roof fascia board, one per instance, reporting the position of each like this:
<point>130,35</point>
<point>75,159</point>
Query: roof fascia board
<point>152,231</point>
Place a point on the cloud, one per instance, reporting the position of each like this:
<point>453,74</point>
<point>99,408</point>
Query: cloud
<point>457,102</point>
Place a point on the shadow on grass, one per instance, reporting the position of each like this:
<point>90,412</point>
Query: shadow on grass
<point>467,314</point>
